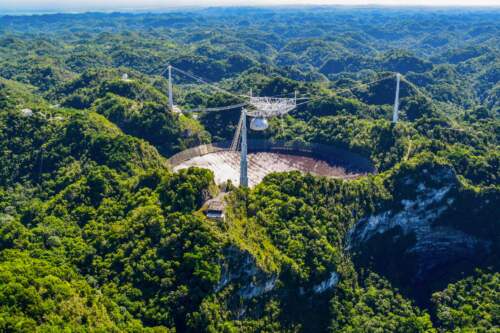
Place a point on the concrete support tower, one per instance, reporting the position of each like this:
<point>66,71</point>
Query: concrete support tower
<point>170,93</point>
<point>395,115</point>
<point>244,151</point>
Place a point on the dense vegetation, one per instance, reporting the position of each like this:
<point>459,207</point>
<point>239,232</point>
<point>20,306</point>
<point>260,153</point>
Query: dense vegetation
<point>98,234</point>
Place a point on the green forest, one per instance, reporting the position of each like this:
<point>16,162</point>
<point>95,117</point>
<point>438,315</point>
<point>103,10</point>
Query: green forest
<point>99,234</point>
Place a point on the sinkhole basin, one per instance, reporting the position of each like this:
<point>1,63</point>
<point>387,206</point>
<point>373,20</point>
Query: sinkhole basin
<point>265,157</point>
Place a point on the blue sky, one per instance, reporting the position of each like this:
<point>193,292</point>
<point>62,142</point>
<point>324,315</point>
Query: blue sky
<point>54,5</point>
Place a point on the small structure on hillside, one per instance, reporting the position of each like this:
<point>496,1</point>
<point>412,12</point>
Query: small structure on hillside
<point>26,112</point>
<point>215,210</point>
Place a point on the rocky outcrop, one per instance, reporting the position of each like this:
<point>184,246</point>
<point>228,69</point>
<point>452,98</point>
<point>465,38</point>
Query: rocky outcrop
<point>428,195</point>
<point>239,267</point>
<point>327,284</point>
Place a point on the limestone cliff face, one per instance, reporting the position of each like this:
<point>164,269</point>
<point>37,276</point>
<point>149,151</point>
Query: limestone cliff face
<point>239,267</point>
<point>418,215</point>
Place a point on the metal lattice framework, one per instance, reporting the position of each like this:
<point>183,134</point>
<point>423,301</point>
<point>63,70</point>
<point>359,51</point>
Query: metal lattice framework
<point>259,109</point>
<point>267,107</point>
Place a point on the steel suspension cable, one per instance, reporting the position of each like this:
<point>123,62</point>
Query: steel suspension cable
<point>236,138</point>
<point>429,99</point>
<point>150,81</point>
<point>222,108</point>
<point>199,79</point>
<point>347,89</point>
